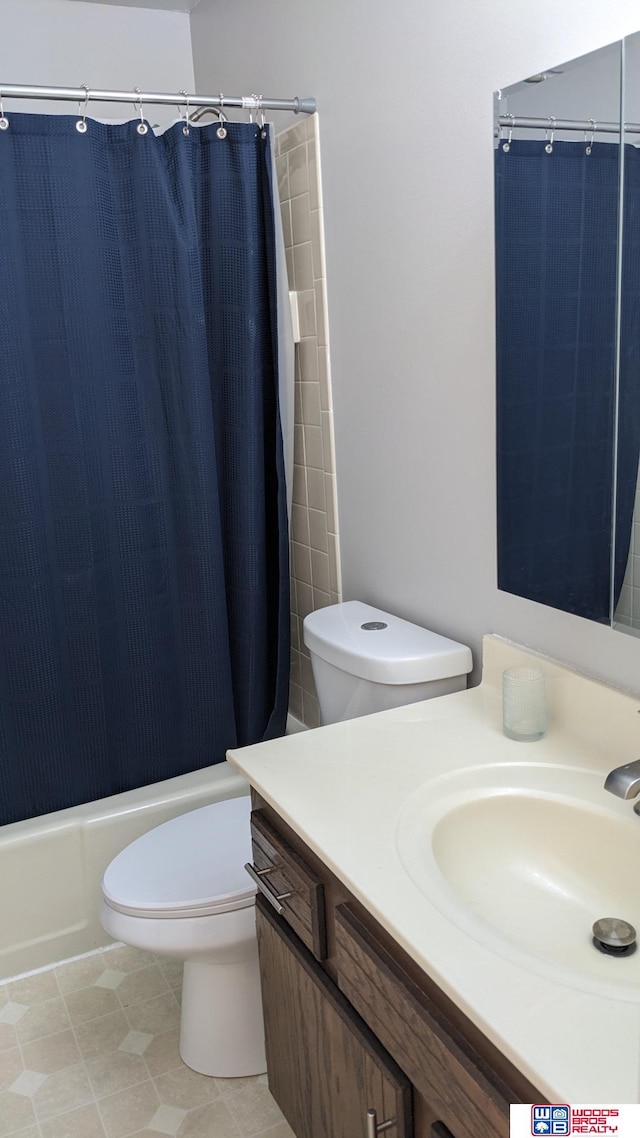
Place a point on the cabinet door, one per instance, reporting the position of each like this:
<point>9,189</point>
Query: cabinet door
<point>326,1069</point>
<point>466,1094</point>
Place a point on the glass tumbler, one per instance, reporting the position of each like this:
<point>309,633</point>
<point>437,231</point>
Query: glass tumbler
<point>524,706</point>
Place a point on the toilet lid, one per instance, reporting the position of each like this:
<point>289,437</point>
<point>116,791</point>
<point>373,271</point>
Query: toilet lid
<point>190,866</point>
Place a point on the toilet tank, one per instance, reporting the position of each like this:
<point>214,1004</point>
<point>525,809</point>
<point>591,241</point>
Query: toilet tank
<point>366,660</point>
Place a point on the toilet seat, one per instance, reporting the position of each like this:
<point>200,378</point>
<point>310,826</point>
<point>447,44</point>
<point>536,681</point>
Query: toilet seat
<point>190,866</point>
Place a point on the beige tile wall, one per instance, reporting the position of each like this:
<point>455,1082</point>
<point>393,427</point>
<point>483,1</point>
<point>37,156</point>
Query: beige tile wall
<point>315,554</point>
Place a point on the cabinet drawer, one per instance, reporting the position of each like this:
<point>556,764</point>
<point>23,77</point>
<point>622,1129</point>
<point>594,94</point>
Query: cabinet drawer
<point>287,877</point>
<point>466,1094</point>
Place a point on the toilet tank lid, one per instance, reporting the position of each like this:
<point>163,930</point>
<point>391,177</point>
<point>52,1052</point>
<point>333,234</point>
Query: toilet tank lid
<point>399,653</point>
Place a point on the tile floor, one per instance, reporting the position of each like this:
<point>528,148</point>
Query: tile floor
<point>89,1049</point>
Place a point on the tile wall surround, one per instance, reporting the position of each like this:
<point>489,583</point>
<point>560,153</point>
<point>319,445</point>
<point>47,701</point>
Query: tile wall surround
<point>89,1049</point>
<point>315,554</point>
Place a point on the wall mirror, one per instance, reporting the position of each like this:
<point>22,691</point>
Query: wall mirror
<point>567,192</point>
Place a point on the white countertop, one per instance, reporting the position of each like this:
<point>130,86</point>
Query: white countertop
<point>342,789</point>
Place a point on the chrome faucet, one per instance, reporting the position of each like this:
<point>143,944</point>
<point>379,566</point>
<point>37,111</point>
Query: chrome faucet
<point>624,782</point>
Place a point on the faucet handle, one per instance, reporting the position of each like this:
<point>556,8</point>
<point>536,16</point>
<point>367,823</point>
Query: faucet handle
<point>624,781</point>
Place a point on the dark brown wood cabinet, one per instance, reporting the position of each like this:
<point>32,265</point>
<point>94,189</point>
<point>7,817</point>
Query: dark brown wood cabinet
<point>352,1025</point>
<point>326,1068</point>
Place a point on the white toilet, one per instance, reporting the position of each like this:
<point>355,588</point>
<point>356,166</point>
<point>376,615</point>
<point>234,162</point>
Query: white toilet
<point>366,660</point>
<point>181,889</point>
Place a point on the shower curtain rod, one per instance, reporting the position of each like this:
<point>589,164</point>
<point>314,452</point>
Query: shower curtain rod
<point>515,122</point>
<point>176,98</point>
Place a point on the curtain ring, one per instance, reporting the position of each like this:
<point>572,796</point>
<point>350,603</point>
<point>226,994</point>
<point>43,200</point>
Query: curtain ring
<point>263,133</point>
<point>142,127</point>
<point>4,122</point>
<point>186,129</point>
<point>222,130</point>
<point>589,146</point>
<point>507,145</point>
<point>81,125</point>
<point>549,146</point>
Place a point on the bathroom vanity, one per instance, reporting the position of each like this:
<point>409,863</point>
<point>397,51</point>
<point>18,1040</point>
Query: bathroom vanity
<point>383,989</point>
<point>352,1026</point>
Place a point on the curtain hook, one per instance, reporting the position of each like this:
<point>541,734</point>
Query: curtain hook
<point>507,145</point>
<point>142,127</point>
<point>186,129</point>
<point>263,132</point>
<point>81,125</point>
<point>222,130</point>
<point>589,145</point>
<point>4,122</point>
<point>549,146</point>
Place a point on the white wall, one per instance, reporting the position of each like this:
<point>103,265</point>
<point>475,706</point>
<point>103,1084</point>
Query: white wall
<point>405,99</point>
<point>587,89</point>
<point>57,43</point>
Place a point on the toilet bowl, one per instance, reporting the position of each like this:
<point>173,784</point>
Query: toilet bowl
<point>181,890</point>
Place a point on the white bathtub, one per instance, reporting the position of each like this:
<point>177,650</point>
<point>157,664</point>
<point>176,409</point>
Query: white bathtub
<point>51,867</point>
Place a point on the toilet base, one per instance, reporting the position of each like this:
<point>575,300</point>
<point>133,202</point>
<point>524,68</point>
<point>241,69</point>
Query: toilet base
<point>222,1031</point>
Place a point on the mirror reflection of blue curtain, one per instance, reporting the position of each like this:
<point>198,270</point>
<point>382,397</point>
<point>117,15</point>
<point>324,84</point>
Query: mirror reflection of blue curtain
<point>143,538</point>
<point>556,241</point>
<point>629,381</point>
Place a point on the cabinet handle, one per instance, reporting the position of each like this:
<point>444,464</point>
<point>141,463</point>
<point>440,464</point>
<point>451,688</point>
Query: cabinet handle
<point>374,1127</point>
<point>439,1130</point>
<point>273,898</point>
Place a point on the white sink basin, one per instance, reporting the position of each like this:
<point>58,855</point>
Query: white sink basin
<point>524,858</point>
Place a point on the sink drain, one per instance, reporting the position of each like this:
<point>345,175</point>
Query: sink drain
<point>614,936</point>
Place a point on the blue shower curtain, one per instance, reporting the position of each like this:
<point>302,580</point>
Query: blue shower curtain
<point>143,534</point>
<point>556,242</point>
